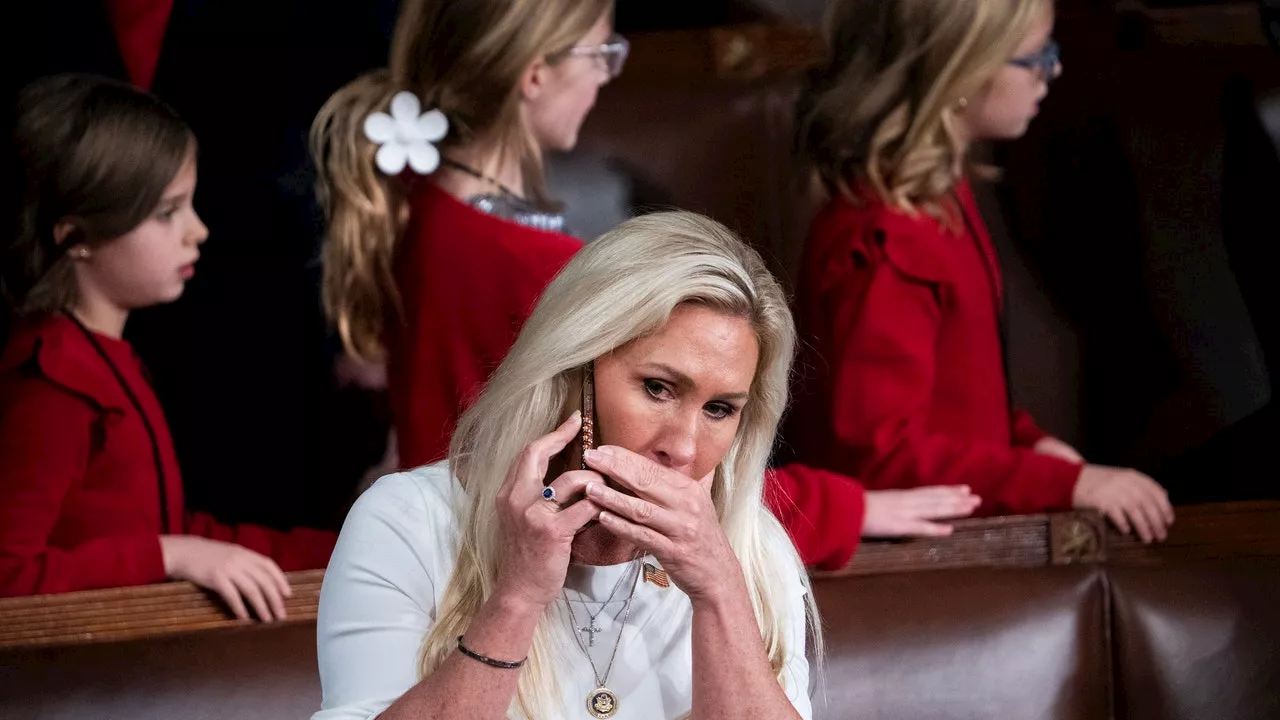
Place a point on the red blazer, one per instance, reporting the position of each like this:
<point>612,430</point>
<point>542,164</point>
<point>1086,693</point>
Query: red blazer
<point>79,494</point>
<point>467,282</point>
<point>903,381</point>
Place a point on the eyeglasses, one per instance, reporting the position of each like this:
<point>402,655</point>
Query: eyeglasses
<point>613,54</point>
<point>1046,63</point>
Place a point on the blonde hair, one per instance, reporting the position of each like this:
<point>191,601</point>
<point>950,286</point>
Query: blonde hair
<point>880,110</point>
<point>464,57</point>
<point>619,288</point>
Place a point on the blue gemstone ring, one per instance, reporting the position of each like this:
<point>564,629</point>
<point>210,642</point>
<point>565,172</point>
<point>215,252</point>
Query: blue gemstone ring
<point>549,493</point>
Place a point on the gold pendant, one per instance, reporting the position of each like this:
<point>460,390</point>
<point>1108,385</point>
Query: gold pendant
<point>602,703</point>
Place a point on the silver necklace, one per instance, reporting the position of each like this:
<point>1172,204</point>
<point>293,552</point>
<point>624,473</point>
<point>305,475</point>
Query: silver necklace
<point>602,702</point>
<point>590,628</point>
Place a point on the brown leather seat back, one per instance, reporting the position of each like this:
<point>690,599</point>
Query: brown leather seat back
<point>1031,645</point>
<point>1198,641</point>
<point>261,672</point>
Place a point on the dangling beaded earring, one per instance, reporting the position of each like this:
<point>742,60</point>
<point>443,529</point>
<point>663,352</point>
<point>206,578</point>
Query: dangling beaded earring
<point>961,104</point>
<point>82,252</point>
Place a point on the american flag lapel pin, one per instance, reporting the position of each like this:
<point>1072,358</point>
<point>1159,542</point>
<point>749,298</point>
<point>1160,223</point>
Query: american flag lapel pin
<point>656,575</point>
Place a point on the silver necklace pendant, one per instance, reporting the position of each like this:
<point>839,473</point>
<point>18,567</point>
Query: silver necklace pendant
<point>590,629</point>
<point>602,703</point>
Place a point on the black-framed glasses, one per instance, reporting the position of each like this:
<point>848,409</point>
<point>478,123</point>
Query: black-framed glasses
<point>1045,63</point>
<point>613,54</point>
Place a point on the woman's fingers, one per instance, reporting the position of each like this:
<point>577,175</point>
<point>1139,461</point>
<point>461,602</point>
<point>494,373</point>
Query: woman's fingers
<point>644,537</point>
<point>531,466</point>
<point>639,474</point>
<point>576,516</point>
<point>637,510</point>
<point>569,488</point>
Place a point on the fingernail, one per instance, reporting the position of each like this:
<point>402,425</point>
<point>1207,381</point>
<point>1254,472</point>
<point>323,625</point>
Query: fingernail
<point>592,455</point>
<point>591,489</point>
<point>604,517</point>
<point>576,416</point>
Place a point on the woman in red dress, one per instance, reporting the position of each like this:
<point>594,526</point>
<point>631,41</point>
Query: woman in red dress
<point>900,295</point>
<point>90,490</point>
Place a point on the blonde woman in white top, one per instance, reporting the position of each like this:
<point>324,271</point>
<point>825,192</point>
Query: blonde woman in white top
<point>655,583</point>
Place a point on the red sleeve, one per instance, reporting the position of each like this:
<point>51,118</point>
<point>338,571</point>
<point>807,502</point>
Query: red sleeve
<point>883,362</point>
<point>297,549</point>
<point>1026,433</point>
<point>821,510</point>
<point>45,437</point>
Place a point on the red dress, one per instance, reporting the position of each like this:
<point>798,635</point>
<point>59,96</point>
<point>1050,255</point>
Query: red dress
<point>467,282</point>
<point>903,381</point>
<point>80,500</point>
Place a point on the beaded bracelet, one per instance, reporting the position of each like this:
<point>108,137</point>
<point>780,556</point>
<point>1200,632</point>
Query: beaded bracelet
<point>500,664</point>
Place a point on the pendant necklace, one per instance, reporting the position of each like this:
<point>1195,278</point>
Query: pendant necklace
<point>602,703</point>
<point>590,628</point>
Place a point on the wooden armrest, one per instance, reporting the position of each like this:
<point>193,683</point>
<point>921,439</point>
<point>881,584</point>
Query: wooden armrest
<point>1219,531</point>
<point>130,613</point>
<point>1011,541</point>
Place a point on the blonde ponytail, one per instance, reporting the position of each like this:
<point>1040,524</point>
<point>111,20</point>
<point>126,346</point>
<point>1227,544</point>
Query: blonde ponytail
<point>464,58</point>
<point>365,211</point>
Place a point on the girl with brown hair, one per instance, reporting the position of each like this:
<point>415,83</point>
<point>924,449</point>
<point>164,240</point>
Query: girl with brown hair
<point>90,491</point>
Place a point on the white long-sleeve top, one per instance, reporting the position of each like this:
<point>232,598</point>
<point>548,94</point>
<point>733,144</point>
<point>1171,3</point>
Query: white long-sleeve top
<point>388,575</point>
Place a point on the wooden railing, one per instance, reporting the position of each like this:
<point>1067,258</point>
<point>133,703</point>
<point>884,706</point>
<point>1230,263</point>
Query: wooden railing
<point>1202,533</point>
<point>134,612</point>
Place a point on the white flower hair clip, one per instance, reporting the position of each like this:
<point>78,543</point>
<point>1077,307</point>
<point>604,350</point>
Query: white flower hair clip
<point>405,136</point>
